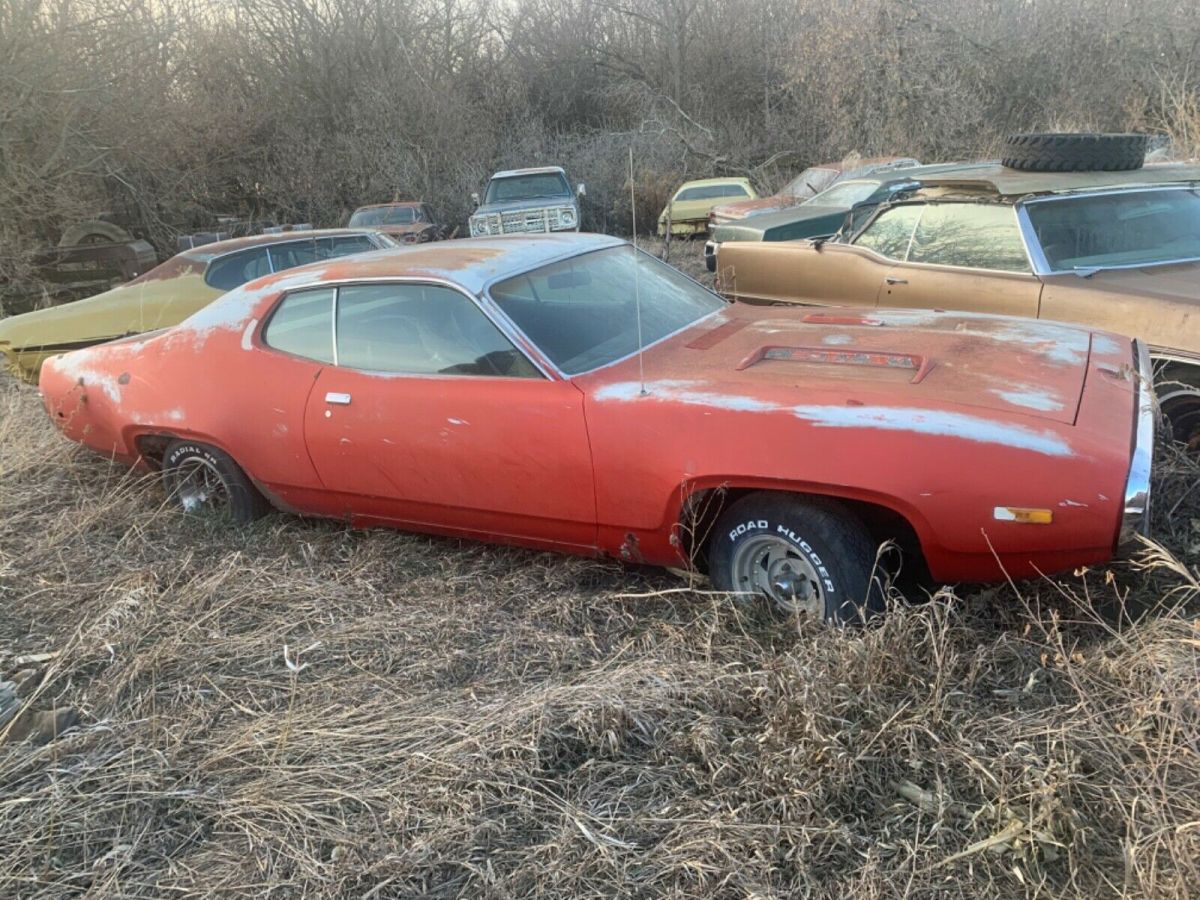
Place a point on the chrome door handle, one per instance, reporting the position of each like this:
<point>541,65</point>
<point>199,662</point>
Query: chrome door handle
<point>339,399</point>
<point>893,280</point>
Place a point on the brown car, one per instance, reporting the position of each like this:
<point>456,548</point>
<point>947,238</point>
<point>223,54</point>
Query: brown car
<point>408,221</point>
<point>1114,250</point>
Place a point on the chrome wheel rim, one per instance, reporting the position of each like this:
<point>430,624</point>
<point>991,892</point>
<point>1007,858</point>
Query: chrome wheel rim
<point>199,487</point>
<point>777,570</point>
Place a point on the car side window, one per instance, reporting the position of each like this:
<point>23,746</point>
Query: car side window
<point>971,235</point>
<point>345,246</point>
<point>293,253</point>
<point>303,324</point>
<point>891,232</point>
<point>234,270</point>
<point>421,329</point>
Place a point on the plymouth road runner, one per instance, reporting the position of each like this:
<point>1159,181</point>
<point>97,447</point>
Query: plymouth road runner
<point>493,388</point>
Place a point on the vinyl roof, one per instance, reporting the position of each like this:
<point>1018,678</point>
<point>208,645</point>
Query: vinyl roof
<point>995,178</point>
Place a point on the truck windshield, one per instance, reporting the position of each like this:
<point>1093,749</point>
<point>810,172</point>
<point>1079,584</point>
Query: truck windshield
<point>582,312</point>
<point>526,187</point>
<point>1124,228</point>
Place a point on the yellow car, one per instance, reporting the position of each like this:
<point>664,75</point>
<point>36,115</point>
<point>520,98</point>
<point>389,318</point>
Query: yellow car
<point>688,210</point>
<point>169,293</point>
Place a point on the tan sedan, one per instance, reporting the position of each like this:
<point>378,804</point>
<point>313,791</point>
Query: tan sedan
<point>1118,251</point>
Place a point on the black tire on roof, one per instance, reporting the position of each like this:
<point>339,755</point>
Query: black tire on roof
<point>1048,152</point>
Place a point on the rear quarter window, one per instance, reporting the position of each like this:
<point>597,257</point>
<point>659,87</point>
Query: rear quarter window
<point>235,269</point>
<point>302,324</point>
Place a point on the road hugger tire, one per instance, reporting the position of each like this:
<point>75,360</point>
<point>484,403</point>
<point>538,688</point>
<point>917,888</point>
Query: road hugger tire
<point>806,555</point>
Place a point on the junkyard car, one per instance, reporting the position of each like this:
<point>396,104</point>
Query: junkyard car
<point>523,201</point>
<point>688,209</point>
<point>823,214</point>
<point>1113,250</point>
<point>806,185</point>
<point>410,221</point>
<point>169,293</point>
<point>493,389</point>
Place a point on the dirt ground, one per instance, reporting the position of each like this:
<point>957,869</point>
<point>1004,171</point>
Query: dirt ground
<point>299,709</point>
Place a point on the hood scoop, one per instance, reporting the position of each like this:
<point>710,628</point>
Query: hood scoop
<point>917,366</point>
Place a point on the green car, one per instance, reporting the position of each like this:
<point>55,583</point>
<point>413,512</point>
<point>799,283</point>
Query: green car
<point>824,213</point>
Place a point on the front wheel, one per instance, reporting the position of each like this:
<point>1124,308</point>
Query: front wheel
<point>205,481</point>
<point>808,556</point>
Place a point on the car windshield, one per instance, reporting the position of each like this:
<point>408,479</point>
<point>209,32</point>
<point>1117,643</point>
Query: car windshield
<point>810,181</point>
<point>582,312</point>
<point>711,192</point>
<point>1124,228</point>
<point>846,194</point>
<point>527,187</point>
<point>385,215</point>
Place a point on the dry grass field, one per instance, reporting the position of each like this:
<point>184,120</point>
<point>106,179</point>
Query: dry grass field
<point>298,709</point>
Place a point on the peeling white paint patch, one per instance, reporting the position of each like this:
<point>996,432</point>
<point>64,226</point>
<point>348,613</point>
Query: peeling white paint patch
<point>280,430</point>
<point>1106,345</point>
<point>75,367</point>
<point>454,421</point>
<point>248,333</point>
<point>837,340</point>
<point>924,421</point>
<point>1029,398</point>
<point>175,415</point>
<point>689,392</point>
<point>1065,503</point>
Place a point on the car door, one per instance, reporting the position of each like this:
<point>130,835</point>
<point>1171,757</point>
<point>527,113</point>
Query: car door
<point>962,256</point>
<point>430,417</point>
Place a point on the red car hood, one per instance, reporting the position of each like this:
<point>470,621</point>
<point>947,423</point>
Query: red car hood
<point>743,208</point>
<point>865,366</point>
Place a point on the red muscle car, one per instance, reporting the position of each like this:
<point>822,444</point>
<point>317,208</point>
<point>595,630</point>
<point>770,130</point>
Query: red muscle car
<point>492,388</point>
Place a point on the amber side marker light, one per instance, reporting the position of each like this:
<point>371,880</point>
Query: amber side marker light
<point>1023,515</point>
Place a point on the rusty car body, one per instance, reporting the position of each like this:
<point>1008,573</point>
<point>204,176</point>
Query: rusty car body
<point>687,212</point>
<point>494,389</point>
<point>1118,251</point>
<point>806,185</point>
<point>408,221</point>
<point>168,293</point>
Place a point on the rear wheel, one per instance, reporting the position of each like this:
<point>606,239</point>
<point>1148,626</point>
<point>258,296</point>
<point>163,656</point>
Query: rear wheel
<point>205,481</point>
<point>809,556</point>
<point>1180,404</point>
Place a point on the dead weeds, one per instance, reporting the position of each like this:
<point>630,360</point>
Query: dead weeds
<point>297,709</point>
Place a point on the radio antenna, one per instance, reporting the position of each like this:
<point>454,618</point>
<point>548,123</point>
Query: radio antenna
<point>637,264</point>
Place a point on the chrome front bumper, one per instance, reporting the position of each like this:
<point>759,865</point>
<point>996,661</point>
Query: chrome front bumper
<point>1136,518</point>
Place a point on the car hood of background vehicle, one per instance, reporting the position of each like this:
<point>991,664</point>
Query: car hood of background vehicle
<point>135,307</point>
<point>531,203</point>
<point>744,209</point>
<point>791,220</point>
<point>761,359</point>
<point>1172,281</point>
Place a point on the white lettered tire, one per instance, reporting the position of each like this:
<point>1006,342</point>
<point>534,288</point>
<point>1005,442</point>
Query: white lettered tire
<point>805,554</point>
<point>206,481</point>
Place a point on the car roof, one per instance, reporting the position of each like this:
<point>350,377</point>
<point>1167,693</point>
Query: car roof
<point>470,263</point>
<point>537,170</point>
<point>705,182</point>
<point>994,178</point>
<point>391,204</point>
<point>205,252</point>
